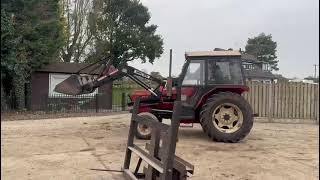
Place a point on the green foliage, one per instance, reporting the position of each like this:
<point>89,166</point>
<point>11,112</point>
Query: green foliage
<point>8,44</point>
<point>33,37</point>
<point>123,33</point>
<point>39,26</point>
<point>18,85</point>
<point>156,75</point>
<point>38,31</point>
<point>315,80</point>
<point>264,48</point>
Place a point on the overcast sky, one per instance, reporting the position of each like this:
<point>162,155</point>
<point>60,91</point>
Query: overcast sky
<point>190,25</point>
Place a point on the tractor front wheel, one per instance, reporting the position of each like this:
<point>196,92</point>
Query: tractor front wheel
<point>226,117</point>
<point>144,131</point>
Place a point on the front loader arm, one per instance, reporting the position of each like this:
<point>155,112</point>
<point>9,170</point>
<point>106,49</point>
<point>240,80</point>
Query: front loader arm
<point>129,72</point>
<point>77,84</point>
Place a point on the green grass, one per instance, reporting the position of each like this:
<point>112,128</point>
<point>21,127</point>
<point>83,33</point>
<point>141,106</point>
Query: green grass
<point>117,95</point>
<point>117,91</point>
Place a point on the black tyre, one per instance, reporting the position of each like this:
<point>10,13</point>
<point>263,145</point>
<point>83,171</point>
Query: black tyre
<point>226,117</point>
<point>143,131</point>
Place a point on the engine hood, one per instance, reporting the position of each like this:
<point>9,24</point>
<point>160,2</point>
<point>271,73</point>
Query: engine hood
<point>139,93</point>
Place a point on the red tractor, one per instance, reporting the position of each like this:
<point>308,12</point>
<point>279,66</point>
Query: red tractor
<point>211,84</point>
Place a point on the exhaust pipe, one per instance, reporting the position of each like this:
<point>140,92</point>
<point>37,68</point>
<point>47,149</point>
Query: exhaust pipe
<point>169,79</point>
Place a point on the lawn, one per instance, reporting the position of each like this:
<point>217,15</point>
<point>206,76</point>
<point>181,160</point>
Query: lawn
<point>117,94</point>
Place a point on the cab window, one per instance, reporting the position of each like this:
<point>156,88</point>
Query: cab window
<point>195,73</point>
<point>224,72</point>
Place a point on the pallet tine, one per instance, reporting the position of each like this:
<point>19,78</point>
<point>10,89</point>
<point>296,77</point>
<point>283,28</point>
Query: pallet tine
<point>168,155</point>
<point>162,162</point>
<point>132,132</point>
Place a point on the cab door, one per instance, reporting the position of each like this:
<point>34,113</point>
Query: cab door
<point>193,82</point>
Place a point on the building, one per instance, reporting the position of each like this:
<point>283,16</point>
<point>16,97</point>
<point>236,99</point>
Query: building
<point>257,71</point>
<point>297,80</point>
<point>44,80</point>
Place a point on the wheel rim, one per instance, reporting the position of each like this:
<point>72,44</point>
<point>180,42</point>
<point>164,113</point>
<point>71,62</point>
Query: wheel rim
<point>144,129</point>
<point>227,118</point>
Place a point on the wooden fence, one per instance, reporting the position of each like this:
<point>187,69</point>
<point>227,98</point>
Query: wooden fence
<point>284,100</point>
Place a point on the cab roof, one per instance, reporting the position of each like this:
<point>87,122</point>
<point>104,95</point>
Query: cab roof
<point>212,53</point>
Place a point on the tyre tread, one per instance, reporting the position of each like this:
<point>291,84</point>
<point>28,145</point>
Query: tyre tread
<point>205,118</point>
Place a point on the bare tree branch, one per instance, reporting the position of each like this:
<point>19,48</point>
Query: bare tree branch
<point>78,37</point>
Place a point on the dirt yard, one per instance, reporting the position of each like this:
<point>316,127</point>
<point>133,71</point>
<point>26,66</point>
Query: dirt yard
<point>66,149</point>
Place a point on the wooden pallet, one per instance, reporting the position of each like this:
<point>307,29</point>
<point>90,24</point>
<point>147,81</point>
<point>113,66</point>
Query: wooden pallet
<point>159,154</point>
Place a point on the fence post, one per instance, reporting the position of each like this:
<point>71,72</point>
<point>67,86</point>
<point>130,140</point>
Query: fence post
<point>317,105</point>
<point>123,101</point>
<point>45,105</point>
<point>97,103</point>
<point>269,105</point>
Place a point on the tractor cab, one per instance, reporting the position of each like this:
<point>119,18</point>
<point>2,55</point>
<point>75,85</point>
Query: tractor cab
<point>207,72</point>
<point>213,68</point>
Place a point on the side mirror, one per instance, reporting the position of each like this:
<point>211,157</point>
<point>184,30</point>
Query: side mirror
<point>169,86</point>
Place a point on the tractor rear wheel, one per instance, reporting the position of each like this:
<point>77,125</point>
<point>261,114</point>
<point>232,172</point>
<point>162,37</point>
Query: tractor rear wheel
<point>143,131</point>
<point>226,117</point>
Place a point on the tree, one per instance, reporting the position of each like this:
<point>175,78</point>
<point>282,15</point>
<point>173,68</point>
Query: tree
<point>38,32</point>
<point>315,80</point>
<point>281,78</point>
<point>264,48</point>
<point>78,29</point>
<point>156,74</point>
<point>8,43</point>
<point>123,33</point>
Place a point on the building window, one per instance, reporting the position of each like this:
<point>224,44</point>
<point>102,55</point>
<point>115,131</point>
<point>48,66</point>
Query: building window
<point>55,79</point>
<point>266,67</point>
<point>248,66</point>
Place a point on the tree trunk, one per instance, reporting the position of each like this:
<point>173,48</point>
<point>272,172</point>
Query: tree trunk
<point>28,95</point>
<point>66,57</point>
<point>19,89</point>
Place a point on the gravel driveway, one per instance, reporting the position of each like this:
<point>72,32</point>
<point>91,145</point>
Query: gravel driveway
<point>67,148</point>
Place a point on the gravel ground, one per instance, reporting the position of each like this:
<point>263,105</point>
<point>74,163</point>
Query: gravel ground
<point>67,148</point>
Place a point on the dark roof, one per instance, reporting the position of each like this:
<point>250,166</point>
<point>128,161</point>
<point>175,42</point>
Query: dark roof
<point>69,68</point>
<point>249,58</point>
<point>257,73</point>
<point>212,53</point>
